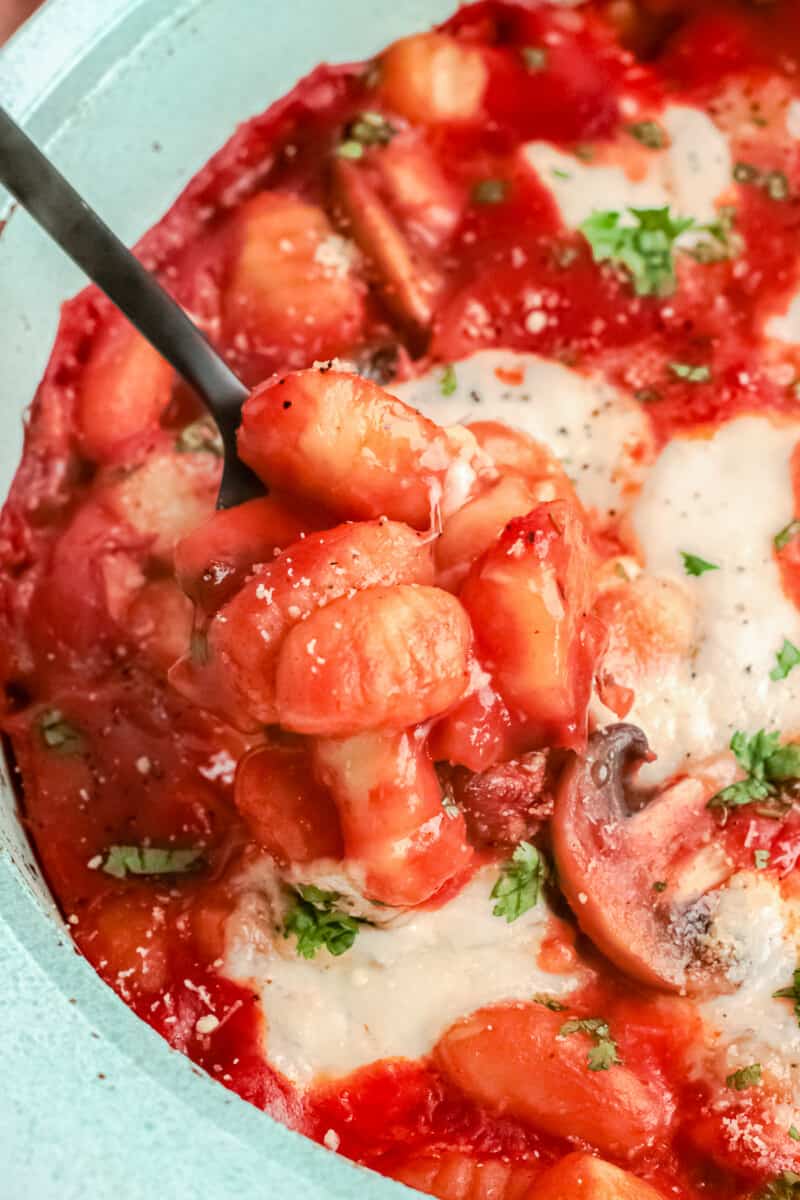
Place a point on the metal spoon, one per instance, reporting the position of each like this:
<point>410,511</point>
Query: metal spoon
<point>67,218</point>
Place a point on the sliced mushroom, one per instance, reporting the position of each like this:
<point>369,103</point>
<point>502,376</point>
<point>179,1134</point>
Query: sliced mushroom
<point>408,282</point>
<point>635,872</point>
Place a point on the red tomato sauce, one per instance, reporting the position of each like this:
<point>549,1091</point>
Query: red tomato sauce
<point>153,768</point>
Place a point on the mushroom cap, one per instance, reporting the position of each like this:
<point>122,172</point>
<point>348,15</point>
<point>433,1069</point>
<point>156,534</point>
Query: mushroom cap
<point>620,860</point>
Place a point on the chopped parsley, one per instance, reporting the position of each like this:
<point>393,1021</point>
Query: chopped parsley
<point>794,1133</point>
<point>694,565</point>
<point>767,764</point>
<point>316,922</point>
<point>785,1186</point>
<point>520,884</point>
<point>350,149</point>
<point>369,129</point>
<point>761,859</point>
<point>745,1077</point>
<point>534,57</point>
<point>791,993</point>
<point>746,173</point>
<point>774,183</point>
<point>603,1053</point>
<point>660,885</point>
<point>201,436</point>
<point>549,1002</point>
<point>647,395</point>
<point>58,734</point>
<point>120,861</point>
<point>786,535</point>
<point>691,372</point>
<point>787,659</point>
<point>489,191</point>
<point>719,239</point>
<point>448,382</point>
<point>645,249</point>
<point>559,174</point>
<point>649,133</point>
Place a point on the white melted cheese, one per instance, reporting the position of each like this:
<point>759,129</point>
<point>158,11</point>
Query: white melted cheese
<point>722,498</point>
<point>756,931</point>
<point>595,430</point>
<point>690,175</point>
<point>396,991</point>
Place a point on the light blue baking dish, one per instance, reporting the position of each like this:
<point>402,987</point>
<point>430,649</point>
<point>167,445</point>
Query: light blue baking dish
<point>131,97</point>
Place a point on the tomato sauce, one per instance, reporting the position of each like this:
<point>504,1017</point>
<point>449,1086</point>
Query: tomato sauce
<point>151,768</point>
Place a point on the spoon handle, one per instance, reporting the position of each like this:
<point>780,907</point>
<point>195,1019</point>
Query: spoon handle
<point>57,207</point>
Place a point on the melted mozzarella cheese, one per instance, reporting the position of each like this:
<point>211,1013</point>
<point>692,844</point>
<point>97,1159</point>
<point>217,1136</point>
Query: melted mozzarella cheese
<point>723,498</point>
<point>756,932</point>
<point>399,987</point>
<point>691,174</point>
<point>601,436</point>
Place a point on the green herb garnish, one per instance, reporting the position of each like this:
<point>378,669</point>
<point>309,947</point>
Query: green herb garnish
<point>767,765</point>
<point>489,191</point>
<point>761,859</point>
<point>691,372</point>
<point>745,1077</point>
<point>791,993</point>
<point>369,129</point>
<point>647,395</point>
<point>746,173</point>
<point>649,133</point>
<point>120,861</point>
<point>448,382</point>
<point>58,734</point>
<point>534,57</point>
<point>350,149</point>
<point>549,1002</point>
<point>794,1133</point>
<point>785,1186</point>
<point>316,922</point>
<point>645,249</point>
<point>787,659</point>
<point>694,565</point>
<point>786,535</point>
<point>520,884</point>
<point>774,183</point>
<point>604,1052</point>
<point>660,885</point>
<point>721,240</point>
